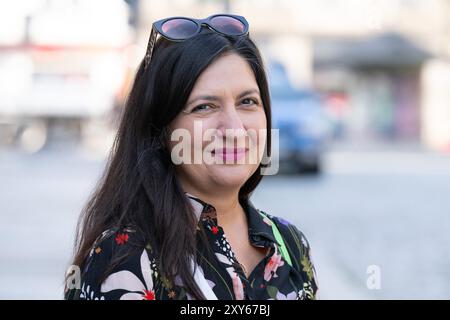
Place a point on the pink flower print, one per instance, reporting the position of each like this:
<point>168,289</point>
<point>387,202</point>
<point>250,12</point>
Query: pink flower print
<point>272,266</point>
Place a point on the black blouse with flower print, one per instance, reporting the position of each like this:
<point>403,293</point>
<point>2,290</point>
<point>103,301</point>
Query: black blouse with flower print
<point>137,276</point>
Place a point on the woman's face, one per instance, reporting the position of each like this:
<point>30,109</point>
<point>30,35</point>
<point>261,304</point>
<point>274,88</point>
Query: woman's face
<point>225,120</point>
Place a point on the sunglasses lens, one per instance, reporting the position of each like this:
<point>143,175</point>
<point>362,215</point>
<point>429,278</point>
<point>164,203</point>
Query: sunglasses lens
<point>179,28</point>
<point>228,25</point>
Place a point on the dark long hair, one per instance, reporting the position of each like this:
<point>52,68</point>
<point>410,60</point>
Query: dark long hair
<point>139,187</point>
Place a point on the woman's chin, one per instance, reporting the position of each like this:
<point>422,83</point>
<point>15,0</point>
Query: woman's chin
<point>231,175</point>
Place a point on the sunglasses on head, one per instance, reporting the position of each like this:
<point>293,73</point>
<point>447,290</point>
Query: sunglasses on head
<point>181,28</point>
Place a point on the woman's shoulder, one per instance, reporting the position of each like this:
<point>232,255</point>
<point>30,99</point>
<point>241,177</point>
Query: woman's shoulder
<point>115,241</point>
<point>119,266</point>
<point>299,249</point>
<point>289,231</point>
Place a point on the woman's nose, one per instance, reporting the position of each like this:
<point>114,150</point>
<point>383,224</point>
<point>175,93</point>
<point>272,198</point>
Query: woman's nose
<point>231,127</point>
<point>230,119</point>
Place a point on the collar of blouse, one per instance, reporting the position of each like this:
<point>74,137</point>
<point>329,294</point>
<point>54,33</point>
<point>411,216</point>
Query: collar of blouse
<point>259,227</point>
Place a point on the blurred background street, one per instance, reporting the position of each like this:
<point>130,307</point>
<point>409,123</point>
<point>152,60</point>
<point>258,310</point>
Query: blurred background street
<point>367,208</point>
<point>360,92</point>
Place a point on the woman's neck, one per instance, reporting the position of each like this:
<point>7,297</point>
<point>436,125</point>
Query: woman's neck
<point>228,208</point>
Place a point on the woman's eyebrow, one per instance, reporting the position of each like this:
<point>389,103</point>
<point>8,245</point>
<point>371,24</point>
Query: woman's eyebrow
<point>247,92</point>
<point>203,97</point>
<point>217,98</point>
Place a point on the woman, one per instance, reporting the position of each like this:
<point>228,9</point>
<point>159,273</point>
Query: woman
<point>161,228</point>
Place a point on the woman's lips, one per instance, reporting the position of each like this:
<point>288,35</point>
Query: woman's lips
<point>228,154</point>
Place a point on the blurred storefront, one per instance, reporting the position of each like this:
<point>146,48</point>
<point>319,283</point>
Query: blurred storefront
<point>379,78</point>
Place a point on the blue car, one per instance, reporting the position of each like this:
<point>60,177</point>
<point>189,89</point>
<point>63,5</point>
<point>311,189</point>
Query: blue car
<point>302,124</point>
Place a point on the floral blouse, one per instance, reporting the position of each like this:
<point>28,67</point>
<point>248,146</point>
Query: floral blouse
<point>137,277</point>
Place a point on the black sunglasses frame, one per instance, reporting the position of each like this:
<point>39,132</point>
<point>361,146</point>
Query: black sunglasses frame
<point>157,29</point>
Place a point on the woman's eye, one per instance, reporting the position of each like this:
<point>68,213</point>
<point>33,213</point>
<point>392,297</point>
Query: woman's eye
<point>202,108</point>
<point>250,102</point>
